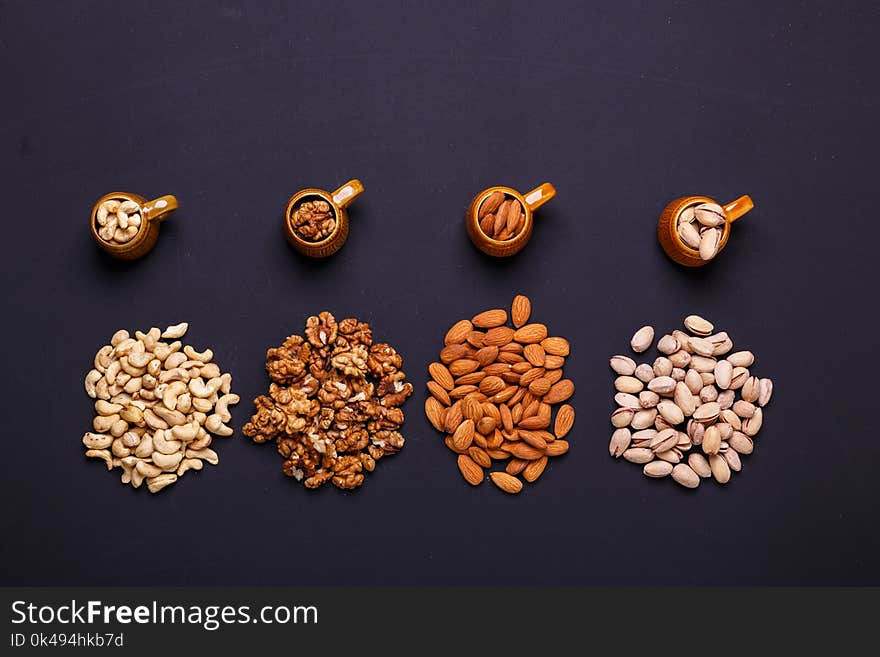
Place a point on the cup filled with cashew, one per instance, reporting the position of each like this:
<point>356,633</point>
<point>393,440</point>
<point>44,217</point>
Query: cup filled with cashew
<point>158,405</point>
<point>126,225</point>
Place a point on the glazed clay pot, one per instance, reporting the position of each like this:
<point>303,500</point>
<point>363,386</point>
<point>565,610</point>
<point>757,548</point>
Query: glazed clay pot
<point>668,235</point>
<point>339,201</point>
<point>152,213</point>
<point>530,202</point>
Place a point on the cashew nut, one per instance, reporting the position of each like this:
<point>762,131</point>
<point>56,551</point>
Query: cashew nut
<point>137,478</point>
<point>97,440</point>
<point>203,439</point>
<point>119,336</point>
<point>203,356</point>
<point>131,370</point>
<point>149,338</point>
<point>176,331</point>
<point>127,464</point>
<point>119,449</point>
<point>119,427</point>
<point>205,454</point>
<point>101,454</point>
<point>163,445</point>
<point>175,360</point>
<point>201,389</point>
<point>102,423</point>
<point>145,448</point>
<point>102,390</point>
<point>171,418</point>
<point>168,462</point>
<point>148,469</point>
<point>91,379</point>
<point>141,358</point>
<point>226,383</point>
<point>215,425</point>
<point>112,371</point>
<point>184,403</point>
<point>132,414</point>
<point>175,374</point>
<point>163,350</point>
<point>220,408</point>
<point>209,370</point>
<point>172,392</point>
<point>155,484</point>
<point>114,389</point>
<point>189,464</point>
<point>134,384</point>
<point>130,439</point>
<point>154,421</point>
<point>124,347</point>
<point>122,378</point>
<point>201,405</point>
<point>185,432</point>
<point>154,367</point>
<point>103,407</point>
<point>103,358</point>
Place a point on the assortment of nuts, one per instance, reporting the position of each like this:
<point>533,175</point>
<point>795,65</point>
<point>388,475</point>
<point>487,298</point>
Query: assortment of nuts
<point>158,404</point>
<point>492,392</point>
<point>701,227</point>
<point>314,220</point>
<point>119,220</point>
<point>333,407</point>
<point>501,216</point>
<point>687,399</point>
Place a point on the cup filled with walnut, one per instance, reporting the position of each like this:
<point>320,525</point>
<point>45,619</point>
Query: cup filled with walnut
<point>694,229</point>
<point>316,221</point>
<point>500,220</point>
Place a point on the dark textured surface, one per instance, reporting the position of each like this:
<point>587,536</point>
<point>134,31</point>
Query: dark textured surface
<point>623,106</point>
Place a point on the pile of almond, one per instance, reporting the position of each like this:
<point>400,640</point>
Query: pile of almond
<point>680,416</point>
<point>501,216</point>
<point>492,393</point>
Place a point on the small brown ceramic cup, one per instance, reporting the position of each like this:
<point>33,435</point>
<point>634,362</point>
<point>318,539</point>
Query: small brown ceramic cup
<point>503,248</point>
<point>667,231</point>
<point>152,214</point>
<point>339,201</point>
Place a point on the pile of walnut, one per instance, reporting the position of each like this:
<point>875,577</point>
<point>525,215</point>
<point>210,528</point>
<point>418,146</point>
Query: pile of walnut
<point>314,220</point>
<point>328,419</point>
<point>158,404</point>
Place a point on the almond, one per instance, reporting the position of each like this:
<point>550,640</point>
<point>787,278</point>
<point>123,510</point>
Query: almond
<point>564,420</point>
<point>462,391</point>
<point>439,393</point>
<point>490,318</point>
<point>515,466</point>
<point>491,385</point>
<point>463,366</point>
<point>491,203</point>
<point>556,448</point>
<point>560,391</point>
<point>486,425</point>
<point>434,411</point>
<point>458,333</point>
<point>451,445</point>
<point>539,387</point>
<point>471,409</point>
<point>534,469</point>
<point>464,435</point>
<point>453,417</point>
<point>472,473</point>
<point>535,422</point>
<point>506,482</point>
<point>534,439</point>
<point>530,333</point>
<point>486,355</point>
<point>553,362</point>
<point>498,336</point>
<point>440,373</point>
<point>556,346</point>
<point>475,339</point>
<point>520,310</point>
<point>479,456</point>
<point>472,379</point>
<point>534,353</point>
<point>453,352</point>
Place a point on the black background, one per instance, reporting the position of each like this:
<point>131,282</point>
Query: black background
<point>623,106</point>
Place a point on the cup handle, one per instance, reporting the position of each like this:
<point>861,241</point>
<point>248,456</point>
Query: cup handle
<point>159,209</point>
<point>735,209</point>
<point>539,196</point>
<point>344,196</point>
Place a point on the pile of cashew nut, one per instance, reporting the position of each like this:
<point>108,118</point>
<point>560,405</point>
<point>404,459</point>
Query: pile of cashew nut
<point>158,404</point>
<point>119,221</point>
